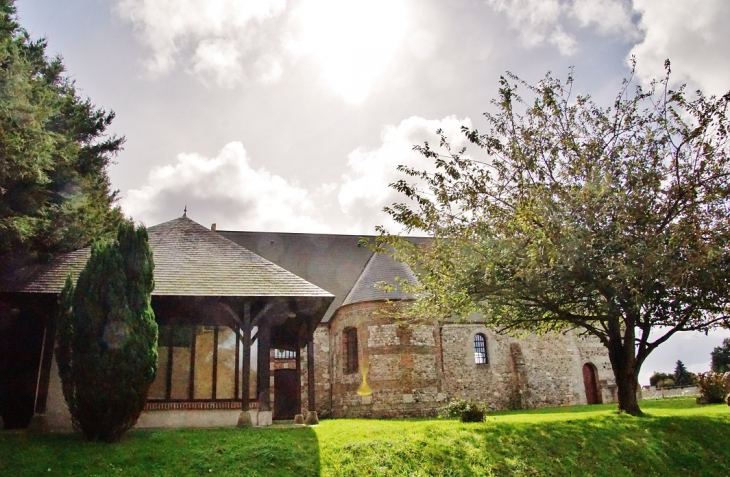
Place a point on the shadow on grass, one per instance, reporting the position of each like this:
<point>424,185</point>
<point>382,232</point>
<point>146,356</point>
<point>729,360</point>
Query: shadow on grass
<point>250,452</point>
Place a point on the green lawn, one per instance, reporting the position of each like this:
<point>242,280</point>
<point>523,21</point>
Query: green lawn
<point>676,437</point>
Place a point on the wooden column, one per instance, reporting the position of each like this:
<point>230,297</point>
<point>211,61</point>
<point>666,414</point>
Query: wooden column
<point>264,368</point>
<point>246,371</point>
<point>310,375</point>
<point>299,377</point>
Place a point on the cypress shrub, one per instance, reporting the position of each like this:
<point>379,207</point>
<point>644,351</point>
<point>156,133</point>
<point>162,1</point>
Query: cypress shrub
<point>107,336</point>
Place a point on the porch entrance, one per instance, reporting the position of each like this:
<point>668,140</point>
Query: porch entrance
<point>286,402</point>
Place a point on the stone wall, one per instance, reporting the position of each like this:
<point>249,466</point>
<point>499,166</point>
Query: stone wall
<point>404,365</point>
<point>414,369</point>
<point>526,372</point>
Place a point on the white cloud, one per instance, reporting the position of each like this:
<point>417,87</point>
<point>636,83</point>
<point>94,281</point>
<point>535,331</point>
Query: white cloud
<point>610,16</point>
<point>566,43</point>
<point>545,21</point>
<point>218,59</point>
<point>534,19</point>
<point>693,34</point>
<point>268,69</point>
<point>211,34</point>
<point>364,190</point>
<point>227,190</point>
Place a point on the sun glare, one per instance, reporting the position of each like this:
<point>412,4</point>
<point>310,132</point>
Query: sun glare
<point>353,41</point>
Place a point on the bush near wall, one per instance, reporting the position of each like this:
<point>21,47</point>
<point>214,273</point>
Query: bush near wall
<point>466,411</point>
<point>714,387</point>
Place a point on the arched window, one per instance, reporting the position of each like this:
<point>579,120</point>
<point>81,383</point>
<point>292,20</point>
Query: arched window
<point>480,349</point>
<point>350,341</point>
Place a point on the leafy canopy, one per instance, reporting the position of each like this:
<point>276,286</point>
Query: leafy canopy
<point>54,189</point>
<point>609,220</point>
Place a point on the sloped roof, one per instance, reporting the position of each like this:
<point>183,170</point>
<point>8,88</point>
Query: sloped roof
<point>381,268</point>
<point>190,260</point>
<point>333,262</point>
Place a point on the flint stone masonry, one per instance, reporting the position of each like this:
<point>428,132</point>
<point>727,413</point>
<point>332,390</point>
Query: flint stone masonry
<point>403,372</point>
<point>532,371</point>
<point>415,369</point>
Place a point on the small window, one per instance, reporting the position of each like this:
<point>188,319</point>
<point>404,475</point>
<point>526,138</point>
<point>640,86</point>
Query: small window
<point>350,342</point>
<point>480,349</point>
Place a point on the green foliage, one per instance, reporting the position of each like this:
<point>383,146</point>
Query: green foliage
<point>608,220</point>
<point>54,190</point>
<point>659,379</point>
<point>676,438</point>
<point>466,411</point>
<point>107,336</point>
<point>721,357</point>
<point>714,387</point>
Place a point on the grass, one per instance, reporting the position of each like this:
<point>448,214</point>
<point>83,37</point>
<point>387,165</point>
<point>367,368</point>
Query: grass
<point>676,437</point>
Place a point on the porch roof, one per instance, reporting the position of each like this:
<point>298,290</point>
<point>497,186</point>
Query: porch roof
<point>190,260</point>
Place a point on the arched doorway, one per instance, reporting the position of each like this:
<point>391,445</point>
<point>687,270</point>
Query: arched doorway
<point>590,381</point>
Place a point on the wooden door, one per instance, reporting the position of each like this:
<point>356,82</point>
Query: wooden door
<point>286,401</point>
<point>590,381</point>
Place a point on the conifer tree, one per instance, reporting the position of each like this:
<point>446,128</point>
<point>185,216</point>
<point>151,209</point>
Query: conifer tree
<point>55,194</point>
<point>682,377</point>
<point>107,338</point>
<point>721,357</point>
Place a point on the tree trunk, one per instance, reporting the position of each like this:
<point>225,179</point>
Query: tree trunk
<point>622,353</point>
<point>627,385</point>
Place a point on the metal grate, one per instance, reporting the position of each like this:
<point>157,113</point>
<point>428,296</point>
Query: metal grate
<point>284,354</point>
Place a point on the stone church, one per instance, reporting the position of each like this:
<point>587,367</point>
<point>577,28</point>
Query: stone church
<point>274,325</point>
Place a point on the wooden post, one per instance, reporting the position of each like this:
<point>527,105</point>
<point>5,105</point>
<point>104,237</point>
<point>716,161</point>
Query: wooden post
<point>246,371</point>
<point>310,375</point>
<point>264,367</point>
<point>311,418</point>
<point>299,378</point>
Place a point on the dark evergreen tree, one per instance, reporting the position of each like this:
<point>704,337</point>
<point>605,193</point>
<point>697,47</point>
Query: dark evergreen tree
<point>107,336</point>
<point>721,357</point>
<point>682,377</point>
<point>54,190</point>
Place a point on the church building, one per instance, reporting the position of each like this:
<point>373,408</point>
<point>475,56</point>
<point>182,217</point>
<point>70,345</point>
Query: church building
<point>263,326</point>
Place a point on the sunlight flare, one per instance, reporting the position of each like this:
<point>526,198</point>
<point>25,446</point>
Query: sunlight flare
<point>352,41</point>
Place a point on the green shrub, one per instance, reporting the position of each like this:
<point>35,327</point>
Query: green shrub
<point>466,411</point>
<point>107,337</point>
<point>714,387</point>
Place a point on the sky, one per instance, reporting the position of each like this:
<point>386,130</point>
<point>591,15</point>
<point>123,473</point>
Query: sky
<point>278,115</point>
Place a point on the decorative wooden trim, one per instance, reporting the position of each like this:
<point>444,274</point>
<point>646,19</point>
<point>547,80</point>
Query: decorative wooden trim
<point>195,405</point>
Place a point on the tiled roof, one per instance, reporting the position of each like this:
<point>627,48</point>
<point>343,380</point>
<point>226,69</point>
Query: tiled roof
<point>190,260</point>
<point>381,268</point>
<point>331,261</point>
